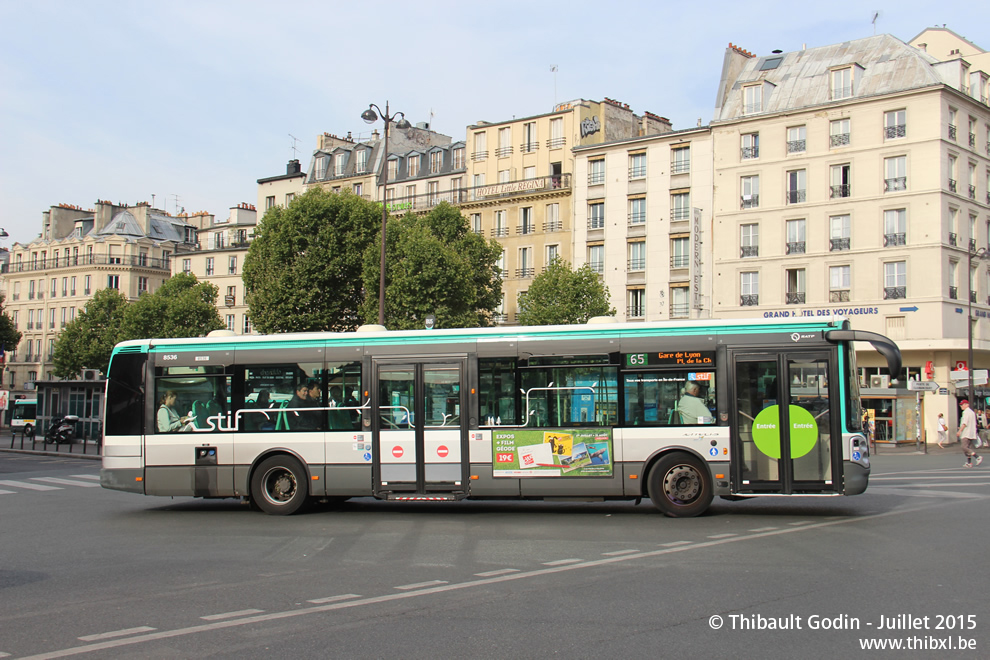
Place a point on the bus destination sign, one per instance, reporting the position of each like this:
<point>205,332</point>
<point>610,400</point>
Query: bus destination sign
<point>671,359</point>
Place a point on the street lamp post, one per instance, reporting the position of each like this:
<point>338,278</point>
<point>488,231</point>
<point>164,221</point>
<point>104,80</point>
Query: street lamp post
<point>982,253</point>
<point>370,117</point>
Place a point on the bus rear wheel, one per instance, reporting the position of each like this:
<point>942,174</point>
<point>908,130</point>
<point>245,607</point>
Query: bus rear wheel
<point>279,486</point>
<point>680,485</point>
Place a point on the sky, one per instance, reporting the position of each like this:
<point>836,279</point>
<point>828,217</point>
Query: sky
<point>186,104</point>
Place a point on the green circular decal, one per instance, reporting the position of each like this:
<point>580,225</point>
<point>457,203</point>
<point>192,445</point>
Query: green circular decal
<point>766,431</point>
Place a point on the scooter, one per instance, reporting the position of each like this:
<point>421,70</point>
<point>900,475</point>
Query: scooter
<point>63,430</point>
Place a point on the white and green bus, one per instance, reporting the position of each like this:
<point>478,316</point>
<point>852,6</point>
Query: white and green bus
<point>677,411</point>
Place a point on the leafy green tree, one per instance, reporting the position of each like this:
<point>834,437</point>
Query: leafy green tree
<point>181,307</point>
<point>561,295</point>
<point>434,265</point>
<point>86,342</point>
<point>10,336</point>
<point>303,269</point>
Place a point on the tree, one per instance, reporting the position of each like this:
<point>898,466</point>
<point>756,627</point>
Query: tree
<point>86,342</point>
<point>560,295</point>
<point>303,269</point>
<point>181,307</point>
<point>10,336</point>
<point>435,265</point>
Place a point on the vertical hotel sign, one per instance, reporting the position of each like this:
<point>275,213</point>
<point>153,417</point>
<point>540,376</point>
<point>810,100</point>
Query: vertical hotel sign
<point>697,301</point>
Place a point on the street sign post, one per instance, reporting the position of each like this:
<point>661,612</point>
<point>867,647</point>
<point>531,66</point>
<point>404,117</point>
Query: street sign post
<point>923,385</point>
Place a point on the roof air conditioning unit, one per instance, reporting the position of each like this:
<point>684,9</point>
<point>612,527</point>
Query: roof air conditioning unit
<point>90,374</point>
<point>876,382</point>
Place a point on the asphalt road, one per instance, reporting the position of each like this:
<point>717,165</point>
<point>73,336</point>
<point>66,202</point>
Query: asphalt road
<point>92,573</point>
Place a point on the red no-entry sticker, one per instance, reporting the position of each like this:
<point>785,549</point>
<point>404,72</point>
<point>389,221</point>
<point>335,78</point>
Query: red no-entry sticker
<point>397,451</point>
<point>442,451</point>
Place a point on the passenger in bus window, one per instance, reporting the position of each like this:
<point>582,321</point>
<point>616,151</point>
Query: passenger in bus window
<point>301,420</point>
<point>692,409</point>
<point>169,420</point>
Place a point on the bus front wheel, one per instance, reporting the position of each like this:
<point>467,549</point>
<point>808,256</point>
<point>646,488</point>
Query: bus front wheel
<point>680,485</point>
<point>29,431</point>
<point>279,485</point>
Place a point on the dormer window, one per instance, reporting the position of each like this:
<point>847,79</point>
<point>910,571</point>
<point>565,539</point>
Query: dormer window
<point>339,161</point>
<point>753,99</point>
<point>393,168</point>
<point>413,165</point>
<point>321,167</point>
<point>842,83</point>
<point>361,160</point>
<point>436,162</point>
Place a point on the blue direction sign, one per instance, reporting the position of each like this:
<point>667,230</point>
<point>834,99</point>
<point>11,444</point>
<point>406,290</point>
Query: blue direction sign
<point>912,308</point>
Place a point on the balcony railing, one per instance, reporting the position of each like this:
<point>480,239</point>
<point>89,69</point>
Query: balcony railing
<point>680,261</point>
<point>596,178</point>
<point>596,223</point>
<point>894,292</point>
<point>637,217</point>
<point>635,311</point>
<point>838,296</point>
<point>91,260</point>
<point>750,152</point>
<point>637,172</point>
<point>597,266</point>
<point>749,201</point>
<point>749,299</point>
<point>526,228</point>
<point>499,232</point>
<point>480,155</point>
<point>796,196</point>
<point>897,131</point>
<point>749,251</point>
<point>458,196</point>
<point>842,190</point>
<point>680,310</point>
<point>556,143</point>
<point>637,263</point>
<point>681,166</point>
<point>972,296</point>
<point>794,298</point>
<point>839,139</point>
<point>796,146</point>
<point>838,244</point>
<point>972,245</point>
<point>952,132</point>
<point>795,247</point>
<point>953,239</point>
<point>525,272</point>
<point>529,147</point>
<point>680,214</point>
<point>897,183</point>
<point>553,225</point>
<point>502,152</point>
<point>893,240</point>
<point>954,292</point>
<point>972,192</point>
<point>972,140</point>
<point>952,185</point>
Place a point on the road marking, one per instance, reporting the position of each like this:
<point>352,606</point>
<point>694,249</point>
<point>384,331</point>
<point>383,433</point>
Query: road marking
<point>561,562</point>
<point>722,536</point>
<point>760,530</point>
<point>7,492</point>
<point>619,553</point>
<point>332,599</point>
<point>4,655</point>
<point>230,615</point>
<point>800,522</point>
<point>94,477</point>
<point>445,587</point>
<point>24,484</point>
<point>65,482</point>
<point>504,571</point>
<point>116,633</point>
<point>421,585</point>
<point>675,543</point>
<point>908,492</point>
<point>958,476</point>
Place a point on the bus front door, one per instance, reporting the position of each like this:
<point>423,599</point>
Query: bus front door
<point>785,438</point>
<point>419,431</point>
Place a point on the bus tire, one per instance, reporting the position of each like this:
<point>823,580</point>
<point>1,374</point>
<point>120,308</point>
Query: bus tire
<point>680,485</point>
<point>28,431</point>
<point>279,485</point>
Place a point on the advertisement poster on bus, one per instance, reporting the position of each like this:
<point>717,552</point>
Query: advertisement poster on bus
<point>552,453</point>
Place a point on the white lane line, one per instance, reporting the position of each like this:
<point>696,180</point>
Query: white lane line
<point>387,598</point>
<point>675,543</point>
<point>333,599</point>
<point>908,492</point>
<point>4,655</point>
<point>619,553</point>
<point>800,522</point>
<point>94,477</point>
<point>421,585</point>
<point>230,615</point>
<point>504,571</point>
<point>944,479</point>
<point>65,482</point>
<point>561,562</point>
<point>763,529</point>
<point>7,492</point>
<point>116,633</point>
<point>722,536</point>
<point>24,484</point>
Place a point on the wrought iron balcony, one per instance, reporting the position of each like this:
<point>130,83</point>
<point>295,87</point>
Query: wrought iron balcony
<point>529,147</point>
<point>638,263</point>
<point>680,310</point>
<point>972,296</point>
<point>681,166</point>
<point>954,292</point>
<point>596,178</point>
<point>749,153</point>
<point>749,251</point>
<point>635,311</point>
<point>952,185</point>
<point>525,272</point>
<point>526,228</point>
<point>897,131</point>
<point>681,213</point>
<point>972,245</point>
<point>749,201</point>
<point>637,172</point>
<point>796,146</point>
<point>972,192</point>
<point>637,217</point>
<point>502,152</point>
<point>953,239</point>
<point>841,190</point>
<point>895,184</point>
<point>499,232</point>
<point>839,140</point>
<point>596,223</point>
<point>794,298</point>
<point>795,247</point>
<point>894,292</point>
<point>749,300</point>
<point>838,244</point>
<point>556,143</point>
<point>838,296</point>
<point>952,131</point>
<point>680,261</point>
<point>972,140</point>
<point>597,266</point>
<point>553,225</point>
<point>230,301</point>
<point>893,240</point>
<point>139,261</point>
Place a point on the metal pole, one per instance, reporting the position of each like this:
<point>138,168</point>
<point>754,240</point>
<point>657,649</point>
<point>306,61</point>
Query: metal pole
<point>381,274</point>
<point>969,324</point>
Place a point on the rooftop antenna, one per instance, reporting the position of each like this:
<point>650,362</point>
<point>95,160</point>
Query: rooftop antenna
<point>175,201</point>
<point>553,70</point>
<point>873,19</point>
<point>293,147</point>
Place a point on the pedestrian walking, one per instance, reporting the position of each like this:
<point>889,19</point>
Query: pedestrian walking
<point>967,434</point>
<point>943,431</point>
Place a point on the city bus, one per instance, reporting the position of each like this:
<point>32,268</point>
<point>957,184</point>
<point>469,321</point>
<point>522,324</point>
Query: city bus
<point>678,412</point>
<point>24,419</point>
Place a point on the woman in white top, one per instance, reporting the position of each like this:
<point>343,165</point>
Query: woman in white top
<point>169,421</point>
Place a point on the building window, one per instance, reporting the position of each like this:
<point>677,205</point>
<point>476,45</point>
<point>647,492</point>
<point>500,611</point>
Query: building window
<point>358,189</point>
<point>596,215</point>
<point>796,239</point>
<point>797,186</point>
<point>637,256</point>
<point>339,162</point>
<point>557,139</point>
<point>209,265</point>
<point>894,280</point>
<point>361,160</point>
<point>393,169</point>
<point>952,174</point>
<point>839,133</point>
<point>269,202</point>
<point>596,172</point>
<point>839,228</point>
<point>113,281</point>
<point>753,99</point>
<point>525,221</point>
<point>480,146</point>
<point>749,289</point>
<point>65,287</point>
<point>796,140</point>
<point>749,240</point>
<point>750,146</point>
<point>87,289</point>
<point>142,285</point>
<point>504,176</point>
<point>750,187</point>
<point>839,283</point>
<point>795,294</point>
<point>637,211</point>
<point>842,83</point>
<point>553,222</point>
<point>680,206</point>
<point>247,324</point>
<point>680,252</point>
<point>596,258</point>
<point>553,252</point>
<point>526,268</point>
<point>54,291</point>
<point>476,223</point>
<point>413,166</point>
<point>636,307</point>
<point>504,142</point>
<point>529,137</point>
<point>680,160</point>
<point>231,322</point>
<point>436,162</point>
<point>895,174</point>
<point>501,226</point>
<point>232,265</point>
<point>187,266</point>
<point>458,158</point>
<point>841,179</point>
<point>952,123</point>
<point>289,197</point>
<point>894,124</point>
<point>637,166</point>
